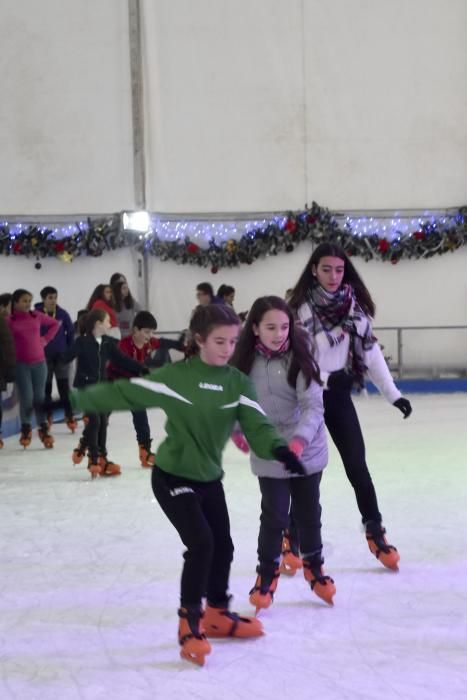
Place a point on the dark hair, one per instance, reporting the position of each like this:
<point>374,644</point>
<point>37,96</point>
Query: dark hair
<point>144,319</point>
<point>306,280</point>
<point>206,288</point>
<point>300,342</point>
<point>205,319</point>
<point>117,277</point>
<point>120,302</point>
<point>17,294</point>
<point>88,320</point>
<point>5,299</point>
<point>79,323</point>
<point>46,291</point>
<point>225,290</point>
<point>97,294</point>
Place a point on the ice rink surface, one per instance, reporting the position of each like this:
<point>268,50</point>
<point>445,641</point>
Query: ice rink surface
<point>90,576</point>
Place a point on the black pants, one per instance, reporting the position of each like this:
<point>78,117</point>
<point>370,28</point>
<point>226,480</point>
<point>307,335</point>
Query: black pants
<point>60,370</point>
<point>95,435</point>
<point>141,423</point>
<point>341,420</point>
<point>198,512</point>
<point>278,496</point>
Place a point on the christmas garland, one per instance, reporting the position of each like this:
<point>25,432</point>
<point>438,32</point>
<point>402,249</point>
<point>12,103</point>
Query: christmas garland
<point>92,238</point>
<point>431,236</point>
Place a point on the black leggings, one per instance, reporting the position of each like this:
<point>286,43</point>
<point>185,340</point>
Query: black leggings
<point>341,420</point>
<point>277,494</point>
<point>198,512</point>
<point>95,435</point>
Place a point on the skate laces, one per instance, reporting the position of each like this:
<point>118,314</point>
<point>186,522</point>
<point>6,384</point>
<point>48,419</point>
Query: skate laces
<point>378,537</point>
<point>316,572</point>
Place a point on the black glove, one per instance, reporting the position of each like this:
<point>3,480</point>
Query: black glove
<point>341,380</point>
<point>404,406</point>
<point>289,460</point>
<point>145,370</point>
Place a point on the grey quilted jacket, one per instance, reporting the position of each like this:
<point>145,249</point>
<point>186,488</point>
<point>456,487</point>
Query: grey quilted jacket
<point>294,412</point>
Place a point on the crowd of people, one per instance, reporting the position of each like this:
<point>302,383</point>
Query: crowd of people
<point>273,381</point>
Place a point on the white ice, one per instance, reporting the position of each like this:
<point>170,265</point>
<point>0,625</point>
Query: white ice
<point>90,575</point>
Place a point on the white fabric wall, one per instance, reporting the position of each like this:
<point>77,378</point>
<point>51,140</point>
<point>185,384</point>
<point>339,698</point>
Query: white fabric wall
<point>266,105</point>
<point>65,117</point>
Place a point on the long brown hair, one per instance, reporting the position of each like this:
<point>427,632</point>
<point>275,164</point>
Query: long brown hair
<point>121,302</point>
<point>98,294</point>
<point>300,342</point>
<point>205,319</point>
<point>307,281</point>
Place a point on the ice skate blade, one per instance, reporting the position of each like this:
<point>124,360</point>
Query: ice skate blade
<point>197,659</point>
<point>390,560</point>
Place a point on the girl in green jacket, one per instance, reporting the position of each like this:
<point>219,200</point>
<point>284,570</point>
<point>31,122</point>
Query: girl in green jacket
<point>203,398</point>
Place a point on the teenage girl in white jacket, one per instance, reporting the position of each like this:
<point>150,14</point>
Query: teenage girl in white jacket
<point>333,304</point>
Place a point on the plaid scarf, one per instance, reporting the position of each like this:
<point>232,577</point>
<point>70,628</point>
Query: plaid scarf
<point>325,311</point>
<point>266,352</point>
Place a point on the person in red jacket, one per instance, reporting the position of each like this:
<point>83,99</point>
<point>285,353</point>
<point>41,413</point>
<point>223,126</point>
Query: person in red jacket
<point>31,331</point>
<point>103,298</point>
<point>147,350</point>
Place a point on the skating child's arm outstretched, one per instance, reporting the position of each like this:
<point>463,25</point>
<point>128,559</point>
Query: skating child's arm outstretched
<point>124,395</point>
<point>124,361</point>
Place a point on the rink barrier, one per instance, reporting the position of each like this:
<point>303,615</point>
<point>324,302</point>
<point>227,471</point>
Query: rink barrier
<point>426,386</point>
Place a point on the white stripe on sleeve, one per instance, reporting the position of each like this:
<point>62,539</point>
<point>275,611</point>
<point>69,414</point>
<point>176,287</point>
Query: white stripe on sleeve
<point>159,388</point>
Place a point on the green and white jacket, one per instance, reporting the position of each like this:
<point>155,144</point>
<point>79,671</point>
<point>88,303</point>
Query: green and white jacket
<point>202,403</point>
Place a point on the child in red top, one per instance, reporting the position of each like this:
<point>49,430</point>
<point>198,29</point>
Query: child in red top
<point>143,347</point>
<point>102,298</point>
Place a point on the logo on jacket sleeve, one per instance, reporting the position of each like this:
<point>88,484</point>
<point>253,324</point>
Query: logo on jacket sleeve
<point>211,387</point>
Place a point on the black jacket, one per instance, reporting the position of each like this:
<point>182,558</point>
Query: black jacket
<point>92,358</point>
<point>7,355</point>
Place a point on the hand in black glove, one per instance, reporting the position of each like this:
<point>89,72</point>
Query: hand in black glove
<point>289,460</point>
<point>404,406</point>
<point>341,380</point>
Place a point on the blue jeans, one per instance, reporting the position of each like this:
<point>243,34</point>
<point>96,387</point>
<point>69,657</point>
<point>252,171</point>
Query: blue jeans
<point>30,381</point>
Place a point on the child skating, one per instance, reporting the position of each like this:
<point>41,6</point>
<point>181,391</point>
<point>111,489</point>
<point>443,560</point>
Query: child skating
<point>142,347</point>
<point>276,356</point>
<point>93,350</point>
<point>203,398</point>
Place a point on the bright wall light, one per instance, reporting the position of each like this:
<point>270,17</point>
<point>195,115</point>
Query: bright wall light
<point>137,221</point>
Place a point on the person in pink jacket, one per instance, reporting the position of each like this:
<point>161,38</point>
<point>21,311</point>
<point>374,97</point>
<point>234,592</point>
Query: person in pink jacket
<point>31,331</point>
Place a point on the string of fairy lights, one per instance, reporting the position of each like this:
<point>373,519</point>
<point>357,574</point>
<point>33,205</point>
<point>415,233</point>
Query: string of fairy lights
<point>232,240</point>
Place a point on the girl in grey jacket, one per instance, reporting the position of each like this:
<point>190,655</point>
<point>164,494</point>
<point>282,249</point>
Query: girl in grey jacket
<point>278,359</point>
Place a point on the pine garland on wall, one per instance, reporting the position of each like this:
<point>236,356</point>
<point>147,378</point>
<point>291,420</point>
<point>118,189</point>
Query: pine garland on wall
<point>422,238</point>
